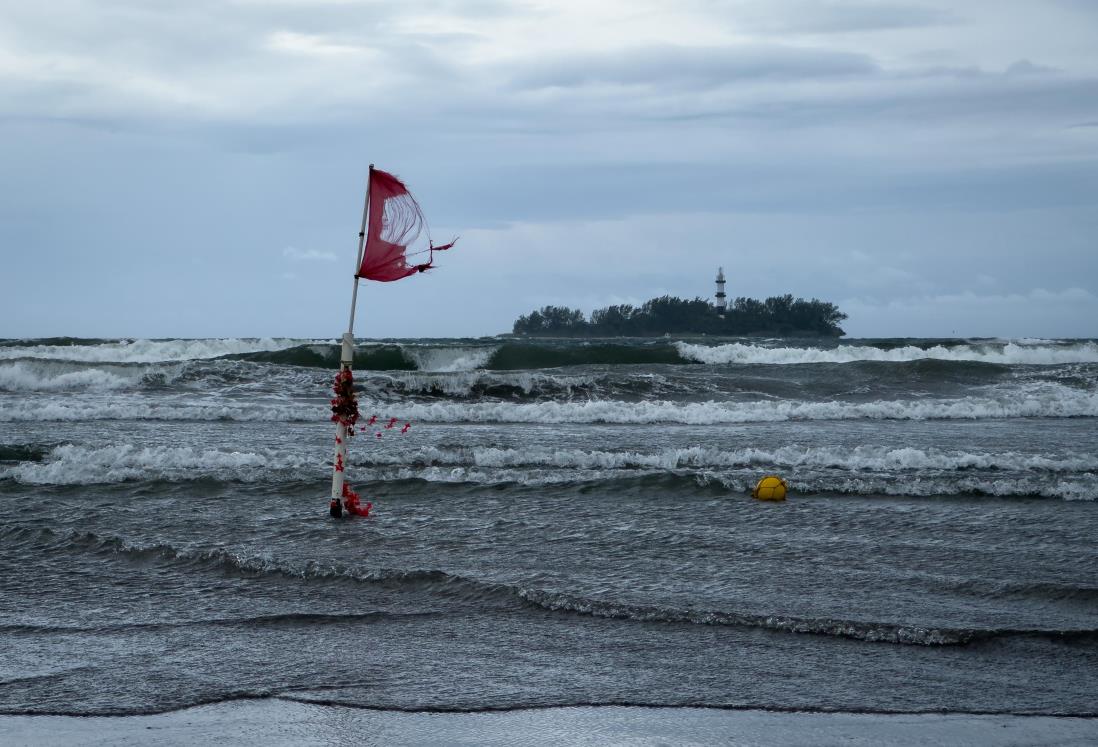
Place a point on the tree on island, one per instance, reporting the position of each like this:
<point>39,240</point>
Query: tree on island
<point>782,316</point>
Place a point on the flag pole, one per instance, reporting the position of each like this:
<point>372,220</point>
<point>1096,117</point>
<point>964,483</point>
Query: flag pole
<point>347,352</point>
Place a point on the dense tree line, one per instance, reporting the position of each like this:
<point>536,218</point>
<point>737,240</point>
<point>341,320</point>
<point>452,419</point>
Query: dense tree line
<point>783,316</point>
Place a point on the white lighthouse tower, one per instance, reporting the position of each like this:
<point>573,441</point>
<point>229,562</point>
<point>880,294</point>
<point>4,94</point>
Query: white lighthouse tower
<point>722,305</point>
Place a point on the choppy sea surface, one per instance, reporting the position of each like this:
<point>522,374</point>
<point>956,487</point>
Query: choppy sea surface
<point>563,523</point>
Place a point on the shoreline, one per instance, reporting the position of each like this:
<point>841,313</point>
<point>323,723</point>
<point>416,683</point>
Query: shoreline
<point>275,721</point>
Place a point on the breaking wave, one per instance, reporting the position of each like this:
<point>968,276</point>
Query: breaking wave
<point>1009,353</point>
<point>181,410</point>
<point>380,357</point>
<point>519,385</point>
<point>145,351</point>
<point>515,355</point>
<point>861,470</point>
<point>22,376</point>
<point>1040,399</point>
<point>83,465</point>
<point>856,458</point>
<point>450,358</point>
<point>34,375</point>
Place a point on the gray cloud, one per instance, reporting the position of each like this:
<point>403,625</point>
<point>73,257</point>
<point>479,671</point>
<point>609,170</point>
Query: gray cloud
<point>691,67</point>
<point>836,16</point>
<point>892,169</point>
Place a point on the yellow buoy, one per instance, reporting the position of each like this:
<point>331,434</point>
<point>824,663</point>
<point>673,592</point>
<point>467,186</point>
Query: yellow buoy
<point>770,488</point>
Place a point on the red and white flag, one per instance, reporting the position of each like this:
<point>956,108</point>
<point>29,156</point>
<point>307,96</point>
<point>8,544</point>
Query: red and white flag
<point>397,239</point>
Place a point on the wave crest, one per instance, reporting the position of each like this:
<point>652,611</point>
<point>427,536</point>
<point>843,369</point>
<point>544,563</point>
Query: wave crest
<point>1036,400</point>
<point>147,351</point>
<point>861,470</point>
<point>82,465</point>
<point>1009,353</point>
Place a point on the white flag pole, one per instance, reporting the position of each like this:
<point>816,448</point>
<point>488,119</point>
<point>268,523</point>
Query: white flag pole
<point>347,352</point>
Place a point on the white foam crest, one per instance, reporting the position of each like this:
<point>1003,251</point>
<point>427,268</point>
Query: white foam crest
<point>870,458</point>
<point>1052,400</point>
<point>483,476</point>
<point>75,410</point>
<point>454,384</point>
<point>82,465</point>
<point>1011,353</point>
<point>151,351</point>
<point>1084,488</point>
<point>857,458</point>
<point>1048,400</point>
<point>448,359</point>
<point>23,377</point>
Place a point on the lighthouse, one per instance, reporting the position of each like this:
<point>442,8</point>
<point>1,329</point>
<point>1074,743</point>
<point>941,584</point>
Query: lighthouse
<point>721,303</point>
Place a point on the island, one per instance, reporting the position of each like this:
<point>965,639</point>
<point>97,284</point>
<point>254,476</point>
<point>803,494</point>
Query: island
<point>777,316</point>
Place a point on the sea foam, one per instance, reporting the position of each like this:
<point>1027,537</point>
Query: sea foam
<point>833,457</point>
<point>1011,353</point>
<point>83,465</point>
<point>860,470</point>
<point>447,359</point>
<point>24,376</point>
<point>1040,399</point>
<point>75,409</point>
<point>150,351</point>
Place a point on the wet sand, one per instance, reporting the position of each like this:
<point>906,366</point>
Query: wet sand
<point>282,722</point>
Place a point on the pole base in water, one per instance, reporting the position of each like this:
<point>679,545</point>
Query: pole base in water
<point>335,509</point>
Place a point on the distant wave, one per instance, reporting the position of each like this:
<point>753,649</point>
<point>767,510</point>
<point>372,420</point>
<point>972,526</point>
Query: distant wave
<point>1010,353</point>
<point>451,358</point>
<point>326,355</point>
<point>514,356</point>
<point>145,351</point>
<point>381,357</point>
<point>524,355</point>
<point>466,589</point>
<point>55,375</point>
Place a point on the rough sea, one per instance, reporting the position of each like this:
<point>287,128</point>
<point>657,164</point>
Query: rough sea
<point>565,522</point>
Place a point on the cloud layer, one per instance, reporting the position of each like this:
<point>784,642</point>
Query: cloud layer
<point>885,155</point>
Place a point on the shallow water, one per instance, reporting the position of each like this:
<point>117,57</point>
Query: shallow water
<point>563,523</point>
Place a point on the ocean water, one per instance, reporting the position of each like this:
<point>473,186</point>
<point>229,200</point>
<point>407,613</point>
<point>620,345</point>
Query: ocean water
<point>564,523</point>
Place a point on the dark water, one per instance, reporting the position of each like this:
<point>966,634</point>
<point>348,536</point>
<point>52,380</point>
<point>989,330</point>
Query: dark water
<point>564,523</point>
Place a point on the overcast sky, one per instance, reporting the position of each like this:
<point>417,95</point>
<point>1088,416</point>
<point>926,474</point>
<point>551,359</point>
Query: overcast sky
<point>197,168</point>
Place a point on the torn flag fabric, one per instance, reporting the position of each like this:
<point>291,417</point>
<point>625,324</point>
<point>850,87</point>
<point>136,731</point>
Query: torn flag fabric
<point>398,243</point>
